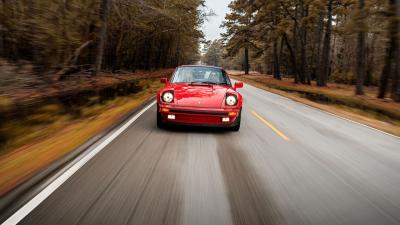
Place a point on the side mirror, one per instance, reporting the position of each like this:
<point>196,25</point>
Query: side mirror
<point>238,85</point>
<point>164,80</point>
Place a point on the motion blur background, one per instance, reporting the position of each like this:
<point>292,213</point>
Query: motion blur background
<point>70,69</point>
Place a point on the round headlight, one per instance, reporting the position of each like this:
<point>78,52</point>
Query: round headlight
<point>231,100</point>
<point>168,97</point>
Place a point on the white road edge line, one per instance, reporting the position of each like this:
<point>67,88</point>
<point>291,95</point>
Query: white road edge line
<point>329,113</point>
<point>355,122</point>
<point>46,192</point>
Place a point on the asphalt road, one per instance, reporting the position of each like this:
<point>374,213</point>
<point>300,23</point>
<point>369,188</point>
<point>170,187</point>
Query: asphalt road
<point>289,164</point>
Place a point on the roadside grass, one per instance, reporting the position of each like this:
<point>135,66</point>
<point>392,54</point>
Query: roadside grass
<point>336,98</point>
<point>51,134</point>
<point>4,102</point>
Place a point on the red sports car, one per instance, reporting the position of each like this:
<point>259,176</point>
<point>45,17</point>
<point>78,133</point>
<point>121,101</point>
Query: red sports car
<point>199,96</point>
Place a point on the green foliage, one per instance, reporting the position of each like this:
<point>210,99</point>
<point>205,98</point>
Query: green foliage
<point>238,25</point>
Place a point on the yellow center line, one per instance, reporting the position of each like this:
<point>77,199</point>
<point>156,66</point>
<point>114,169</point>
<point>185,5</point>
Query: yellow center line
<point>270,126</point>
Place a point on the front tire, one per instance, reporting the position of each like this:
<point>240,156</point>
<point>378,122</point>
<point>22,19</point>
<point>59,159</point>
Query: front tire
<point>236,127</point>
<point>160,122</point>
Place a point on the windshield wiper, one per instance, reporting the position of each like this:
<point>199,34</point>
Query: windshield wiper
<point>214,83</point>
<point>207,82</point>
<point>200,83</point>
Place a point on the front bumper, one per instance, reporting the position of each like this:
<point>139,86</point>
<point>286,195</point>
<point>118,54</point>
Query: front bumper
<point>224,117</point>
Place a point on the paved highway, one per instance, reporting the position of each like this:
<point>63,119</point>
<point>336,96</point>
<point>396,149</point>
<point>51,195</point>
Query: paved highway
<point>289,164</point>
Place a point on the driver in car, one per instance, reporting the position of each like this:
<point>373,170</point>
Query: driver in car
<point>214,78</point>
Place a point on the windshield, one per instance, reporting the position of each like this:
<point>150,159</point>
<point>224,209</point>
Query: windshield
<point>190,75</point>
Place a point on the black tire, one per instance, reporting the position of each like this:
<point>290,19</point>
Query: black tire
<point>236,127</point>
<point>160,122</point>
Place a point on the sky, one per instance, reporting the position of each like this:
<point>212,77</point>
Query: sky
<point>211,27</point>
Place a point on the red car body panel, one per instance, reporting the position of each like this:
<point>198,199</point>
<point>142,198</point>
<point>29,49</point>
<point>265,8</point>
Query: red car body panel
<point>199,104</point>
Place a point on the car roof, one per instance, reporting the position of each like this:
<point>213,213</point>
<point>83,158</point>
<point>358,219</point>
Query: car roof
<point>205,66</point>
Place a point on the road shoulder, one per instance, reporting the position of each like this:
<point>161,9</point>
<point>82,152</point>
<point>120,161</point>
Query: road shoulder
<point>37,180</point>
<point>344,112</point>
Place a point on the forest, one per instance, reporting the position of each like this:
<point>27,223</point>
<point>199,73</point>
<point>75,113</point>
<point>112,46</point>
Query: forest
<point>344,41</point>
<point>64,37</point>
<point>71,69</point>
<point>65,62</point>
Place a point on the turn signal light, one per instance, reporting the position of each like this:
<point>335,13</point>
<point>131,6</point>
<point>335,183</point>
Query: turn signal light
<point>164,110</point>
<point>232,114</point>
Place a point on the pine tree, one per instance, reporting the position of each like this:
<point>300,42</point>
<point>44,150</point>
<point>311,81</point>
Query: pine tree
<point>101,37</point>
<point>324,65</point>
<point>361,51</point>
<point>239,30</point>
<point>389,71</point>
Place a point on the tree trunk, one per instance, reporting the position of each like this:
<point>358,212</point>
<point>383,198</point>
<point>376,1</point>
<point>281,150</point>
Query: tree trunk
<point>70,63</point>
<point>2,33</point>
<point>388,70</point>
<point>317,48</point>
<point>298,75</point>
<point>160,52</point>
<point>324,64</point>
<point>267,63</point>
<point>167,53</point>
<point>396,80</point>
<point>277,71</point>
<point>305,76</point>
<point>3,43</point>
<point>370,61</point>
<point>116,61</point>
<point>246,61</point>
<point>178,52</point>
<point>276,63</point>
<point>101,38</point>
<point>304,62</point>
<point>292,57</point>
<point>64,47</point>
<point>147,54</point>
<point>361,52</point>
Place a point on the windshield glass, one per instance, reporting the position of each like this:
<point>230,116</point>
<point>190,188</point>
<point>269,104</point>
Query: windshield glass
<point>208,75</point>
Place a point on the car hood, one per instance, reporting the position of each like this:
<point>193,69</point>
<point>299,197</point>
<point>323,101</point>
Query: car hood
<point>211,96</point>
